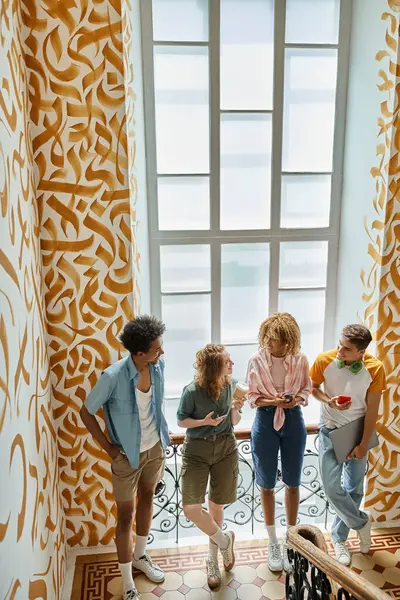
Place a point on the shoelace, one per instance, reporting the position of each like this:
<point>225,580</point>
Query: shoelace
<point>148,560</point>
<point>213,569</point>
<point>275,552</point>
<point>226,554</point>
<point>286,562</point>
<point>341,549</point>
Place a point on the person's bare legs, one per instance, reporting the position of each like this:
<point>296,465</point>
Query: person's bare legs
<point>292,500</point>
<point>217,513</point>
<point>213,573</point>
<point>225,541</point>
<point>123,534</point>
<point>144,516</point>
<point>275,562</point>
<point>201,518</point>
<point>123,540</point>
<point>144,511</point>
<point>268,506</point>
<point>205,522</point>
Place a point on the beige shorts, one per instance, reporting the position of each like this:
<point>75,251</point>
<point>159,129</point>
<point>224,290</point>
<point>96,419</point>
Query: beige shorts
<point>125,479</point>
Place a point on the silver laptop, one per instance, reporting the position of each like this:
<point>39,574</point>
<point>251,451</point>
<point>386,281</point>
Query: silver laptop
<point>346,438</point>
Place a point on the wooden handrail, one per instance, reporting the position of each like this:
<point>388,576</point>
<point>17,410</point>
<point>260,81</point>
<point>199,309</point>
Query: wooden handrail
<point>309,541</point>
<point>241,434</point>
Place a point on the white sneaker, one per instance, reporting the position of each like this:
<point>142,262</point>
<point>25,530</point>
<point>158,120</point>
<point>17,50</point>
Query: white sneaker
<point>275,562</point>
<point>132,595</point>
<point>286,563</point>
<point>364,535</point>
<point>213,574</point>
<point>228,554</point>
<point>342,553</point>
<point>151,570</point>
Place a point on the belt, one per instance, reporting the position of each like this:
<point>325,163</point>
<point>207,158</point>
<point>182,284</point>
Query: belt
<point>215,436</point>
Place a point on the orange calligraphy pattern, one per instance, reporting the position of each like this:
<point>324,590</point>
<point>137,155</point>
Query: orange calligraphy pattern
<point>382,282</point>
<point>31,517</point>
<point>82,115</point>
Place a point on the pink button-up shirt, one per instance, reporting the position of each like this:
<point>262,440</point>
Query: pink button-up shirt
<point>262,386</point>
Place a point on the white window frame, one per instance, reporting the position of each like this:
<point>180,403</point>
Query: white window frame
<point>215,237</point>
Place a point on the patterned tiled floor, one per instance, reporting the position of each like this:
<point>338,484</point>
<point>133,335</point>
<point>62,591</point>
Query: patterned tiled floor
<point>97,576</point>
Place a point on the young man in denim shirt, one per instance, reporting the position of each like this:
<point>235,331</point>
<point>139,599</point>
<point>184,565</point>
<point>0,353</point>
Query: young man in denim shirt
<point>131,392</point>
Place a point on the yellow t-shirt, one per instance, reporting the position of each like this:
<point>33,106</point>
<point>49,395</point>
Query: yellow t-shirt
<point>342,382</point>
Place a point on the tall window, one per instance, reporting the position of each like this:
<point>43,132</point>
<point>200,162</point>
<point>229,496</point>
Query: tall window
<point>245,105</point>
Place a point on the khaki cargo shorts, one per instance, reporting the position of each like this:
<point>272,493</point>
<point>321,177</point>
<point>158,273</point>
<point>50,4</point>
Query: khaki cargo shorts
<point>211,460</point>
<point>125,479</point>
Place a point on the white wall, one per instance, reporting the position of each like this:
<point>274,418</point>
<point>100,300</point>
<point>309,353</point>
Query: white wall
<point>142,232</point>
<point>364,98</point>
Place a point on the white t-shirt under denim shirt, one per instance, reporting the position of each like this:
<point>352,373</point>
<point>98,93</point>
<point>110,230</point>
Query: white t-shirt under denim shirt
<point>148,428</point>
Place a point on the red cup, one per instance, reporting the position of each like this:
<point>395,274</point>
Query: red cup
<point>343,399</point>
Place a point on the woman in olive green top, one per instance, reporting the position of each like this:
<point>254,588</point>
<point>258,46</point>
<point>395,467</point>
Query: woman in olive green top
<point>208,412</point>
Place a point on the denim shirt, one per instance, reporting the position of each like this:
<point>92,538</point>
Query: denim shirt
<point>116,392</point>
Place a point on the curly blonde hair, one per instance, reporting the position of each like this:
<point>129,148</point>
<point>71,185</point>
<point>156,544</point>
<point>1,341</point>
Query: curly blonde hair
<point>209,365</point>
<point>283,328</point>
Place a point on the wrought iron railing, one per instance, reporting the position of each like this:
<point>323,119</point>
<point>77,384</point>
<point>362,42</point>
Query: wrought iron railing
<point>316,576</point>
<point>170,522</point>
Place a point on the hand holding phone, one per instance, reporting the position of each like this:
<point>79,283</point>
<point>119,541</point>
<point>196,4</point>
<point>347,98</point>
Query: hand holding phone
<point>210,420</point>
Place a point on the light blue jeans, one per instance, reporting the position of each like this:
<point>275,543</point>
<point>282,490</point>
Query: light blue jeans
<point>344,488</point>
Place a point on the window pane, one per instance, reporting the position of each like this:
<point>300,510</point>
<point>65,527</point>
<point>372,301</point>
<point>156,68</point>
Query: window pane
<point>244,293</point>
<point>245,171</point>
<point>240,356</point>
<point>185,268</point>
<point>312,21</point>
<point>182,109</point>
<point>306,200</point>
<point>247,54</point>
<point>188,321</point>
<point>180,20</point>
<point>309,110</point>
<point>308,308</point>
<point>303,264</point>
<point>183,203</point>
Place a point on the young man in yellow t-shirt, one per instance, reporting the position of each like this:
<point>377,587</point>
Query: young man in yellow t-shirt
<point>347,371</point>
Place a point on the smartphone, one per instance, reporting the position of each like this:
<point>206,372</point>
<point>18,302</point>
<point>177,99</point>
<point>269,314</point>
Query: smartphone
<point>288,397</point>
<point>223,416</point>
<point>343,399</point>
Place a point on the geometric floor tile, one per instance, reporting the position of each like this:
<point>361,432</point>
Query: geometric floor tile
<point>381,565</point>
<point>97,576</point>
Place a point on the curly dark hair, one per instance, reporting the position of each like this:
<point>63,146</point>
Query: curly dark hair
<point>359,335</point>
<point>140,333</point>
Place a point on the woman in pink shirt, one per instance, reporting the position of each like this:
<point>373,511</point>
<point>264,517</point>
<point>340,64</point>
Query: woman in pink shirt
<point>279,384</point>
